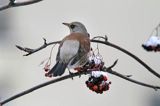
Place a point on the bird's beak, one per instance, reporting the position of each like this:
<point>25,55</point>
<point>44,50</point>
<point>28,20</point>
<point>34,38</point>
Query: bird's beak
<point>67,24</point>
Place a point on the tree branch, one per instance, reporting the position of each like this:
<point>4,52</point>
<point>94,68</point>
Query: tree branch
<point>126,77</point>
<point>131,80</point>
<point>40,86</point>
<point>31,51</point>
<point>128,53</point>
<point>14,3</point>
<point>109,70</point>
<point>105,42</point>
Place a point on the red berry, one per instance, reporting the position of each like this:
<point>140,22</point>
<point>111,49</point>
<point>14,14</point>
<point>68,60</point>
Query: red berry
<point>100,92</point>
<point>90,84</point>
<point>46,70</point>
<point>87,82</point>
<point>105,88</point>
<point>50,75</point>
<point>46,74</point>
<point>105,78</point>
<point>95,88</point>
<point>78,69</point>
<point>100,87</point>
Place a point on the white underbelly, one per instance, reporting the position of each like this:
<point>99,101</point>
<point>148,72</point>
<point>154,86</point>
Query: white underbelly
<point>68,50</point>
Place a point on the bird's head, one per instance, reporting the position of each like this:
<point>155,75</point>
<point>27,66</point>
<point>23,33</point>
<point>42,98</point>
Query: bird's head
<point>76,27</point>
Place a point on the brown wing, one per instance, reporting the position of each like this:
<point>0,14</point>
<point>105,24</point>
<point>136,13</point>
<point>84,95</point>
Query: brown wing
<point>83,39</point>
<point>83,49</point>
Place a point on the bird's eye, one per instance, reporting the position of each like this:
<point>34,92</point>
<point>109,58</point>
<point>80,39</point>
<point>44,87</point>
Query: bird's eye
<point>72,26</point>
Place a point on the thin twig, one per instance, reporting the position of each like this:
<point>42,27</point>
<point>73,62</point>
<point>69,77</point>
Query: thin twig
<point>109,70</point>
<point>31,51</point>
<point>113,64</point>
<point>14,3</point>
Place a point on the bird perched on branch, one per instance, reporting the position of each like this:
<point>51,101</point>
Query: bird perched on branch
<point>73,49</point>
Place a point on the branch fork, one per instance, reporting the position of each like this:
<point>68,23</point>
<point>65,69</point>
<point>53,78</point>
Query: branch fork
<point>31,51</point>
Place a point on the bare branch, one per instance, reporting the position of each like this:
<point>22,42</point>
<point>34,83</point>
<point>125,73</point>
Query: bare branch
<point>126,77</point>
<point>131,80</point>
<point>5,7</point>
<point>31,51</point>
<point>14,3</point>
<point>40,86</point>
<point>113,64</point>
<point>128,53</point>
<point>109,70</point>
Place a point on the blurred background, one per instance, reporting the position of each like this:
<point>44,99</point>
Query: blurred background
<point>127,23</point>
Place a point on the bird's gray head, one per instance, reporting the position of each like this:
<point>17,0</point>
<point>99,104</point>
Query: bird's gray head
<point>76,27</point>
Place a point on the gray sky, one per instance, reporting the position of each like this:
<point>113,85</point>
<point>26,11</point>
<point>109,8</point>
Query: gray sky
<point>127,23</point>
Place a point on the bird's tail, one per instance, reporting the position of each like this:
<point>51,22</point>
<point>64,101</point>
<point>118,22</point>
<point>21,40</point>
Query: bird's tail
<point>58,69</point>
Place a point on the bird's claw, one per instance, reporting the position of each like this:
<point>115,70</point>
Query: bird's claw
<point>70,73</point>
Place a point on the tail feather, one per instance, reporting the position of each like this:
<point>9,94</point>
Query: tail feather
<point>58,69</point>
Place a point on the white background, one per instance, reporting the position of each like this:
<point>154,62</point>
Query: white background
<point>127,23</point>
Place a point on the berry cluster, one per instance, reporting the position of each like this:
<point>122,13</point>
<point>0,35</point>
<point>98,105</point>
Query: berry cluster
<point>47,70</point>
<point>152,44</point>
<point>151,48</point>
<point>98,82</point>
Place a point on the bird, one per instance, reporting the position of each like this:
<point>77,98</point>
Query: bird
<point>73,50</point>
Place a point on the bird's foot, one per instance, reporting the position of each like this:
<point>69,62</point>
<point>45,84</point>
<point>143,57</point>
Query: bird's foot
<point>70,73</point>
